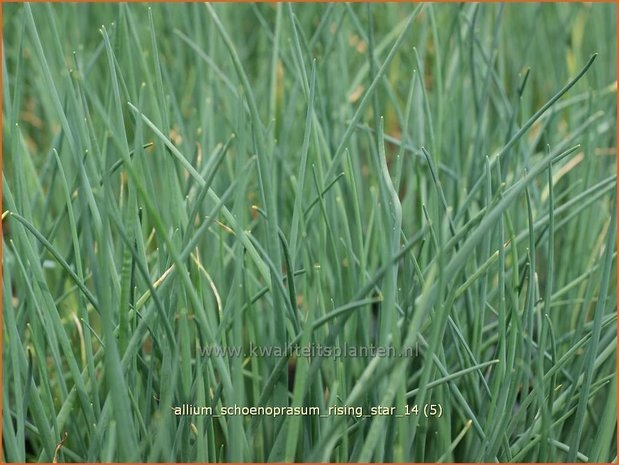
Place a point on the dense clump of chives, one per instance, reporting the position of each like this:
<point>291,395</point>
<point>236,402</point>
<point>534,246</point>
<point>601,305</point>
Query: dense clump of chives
<point>400,218</point>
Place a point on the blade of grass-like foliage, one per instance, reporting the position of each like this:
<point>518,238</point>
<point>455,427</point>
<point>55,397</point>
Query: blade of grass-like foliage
<point>124,420</point>
<point>608,425</point>
<point>455,442</point>
<point>296,214</point>
<point>576,431</point>
<point>505,150</point>
<point>47,74</point>
<point>91,298</point>
<point>369,92</point>
<point>267,189</point>
<point>202,183</point>
<point>173,150</point>
<point>13,367</point>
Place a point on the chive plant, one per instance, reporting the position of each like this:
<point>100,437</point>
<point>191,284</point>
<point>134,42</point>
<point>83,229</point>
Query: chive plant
<point>309,232</point>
